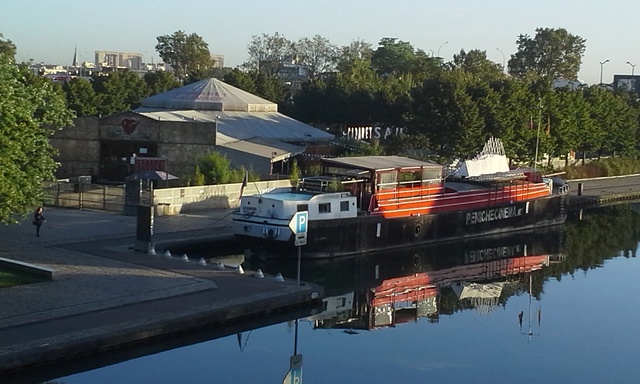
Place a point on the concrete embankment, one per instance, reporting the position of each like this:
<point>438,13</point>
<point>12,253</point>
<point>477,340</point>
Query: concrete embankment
<point>604,190</point>
<point>104,297</point>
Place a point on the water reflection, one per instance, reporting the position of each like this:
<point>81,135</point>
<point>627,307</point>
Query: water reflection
<point>388,289</point>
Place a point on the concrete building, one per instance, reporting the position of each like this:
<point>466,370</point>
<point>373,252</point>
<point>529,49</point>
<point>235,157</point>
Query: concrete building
<point>181,125</point>
<point>115,60</point>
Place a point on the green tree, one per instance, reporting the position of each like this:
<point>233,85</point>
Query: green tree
<point>317,55</point>
<point>268,53</point>
<point>357,50</point>
<point>294,174</point>
<point>445,112</point>
<point>160,81</point>
<point>81,97</point>
<point>476,62</point>
<point>243,80</point>
<point>184,53</point>
<point>393,56</point>
<point>198,177</point>
<point>7,49</point>
<point>31,108</point>
<point>271,89</point>
<point>119,92</point>
<point>216,168</point>
<point>616,117</point>
<point>551,54</point>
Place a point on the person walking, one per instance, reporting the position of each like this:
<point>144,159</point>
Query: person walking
<point>38,219</point>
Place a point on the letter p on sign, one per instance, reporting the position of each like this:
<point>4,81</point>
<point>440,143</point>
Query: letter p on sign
<point>298,223</point>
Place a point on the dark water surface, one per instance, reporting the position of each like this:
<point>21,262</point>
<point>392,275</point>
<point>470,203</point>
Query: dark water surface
<point>559,306</point>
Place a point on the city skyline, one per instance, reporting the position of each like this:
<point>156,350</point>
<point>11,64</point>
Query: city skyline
<point>50,34</point>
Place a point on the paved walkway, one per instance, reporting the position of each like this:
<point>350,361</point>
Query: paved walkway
<point>96,270</point>
<point>605,189</point>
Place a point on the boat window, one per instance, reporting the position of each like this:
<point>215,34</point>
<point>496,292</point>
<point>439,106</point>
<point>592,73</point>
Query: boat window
<point>387,180</point>
<point>302,207</point>
<point>344,206</point>
<point>409,178</point>
<point>432,174</point>
<point>324,208</point>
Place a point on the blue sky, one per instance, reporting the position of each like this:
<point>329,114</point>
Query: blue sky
<point>48,31</point>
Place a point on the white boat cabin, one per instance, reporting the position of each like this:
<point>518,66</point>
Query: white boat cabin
<point>282,204</point>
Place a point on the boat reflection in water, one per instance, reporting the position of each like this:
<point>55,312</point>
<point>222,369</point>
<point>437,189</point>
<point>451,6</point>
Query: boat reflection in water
<point>385,290</point>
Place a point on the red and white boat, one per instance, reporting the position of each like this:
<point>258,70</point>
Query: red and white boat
<point>372,203</point>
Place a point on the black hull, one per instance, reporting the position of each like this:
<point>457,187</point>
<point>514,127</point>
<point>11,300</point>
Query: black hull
<point>364,234</point>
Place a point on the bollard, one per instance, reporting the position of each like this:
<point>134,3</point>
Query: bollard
<point>580,189</point>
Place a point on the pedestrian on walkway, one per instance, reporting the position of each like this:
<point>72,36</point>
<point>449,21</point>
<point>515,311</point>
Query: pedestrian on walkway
<point>38,220</point>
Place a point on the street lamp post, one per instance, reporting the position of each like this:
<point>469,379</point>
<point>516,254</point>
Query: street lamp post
<point>633,67</point>
<point>602,63</point>
<point>442,45</point>
<point>500,50</point>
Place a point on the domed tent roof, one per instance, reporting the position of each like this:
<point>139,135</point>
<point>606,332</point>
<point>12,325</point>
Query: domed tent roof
<point>210,94</point>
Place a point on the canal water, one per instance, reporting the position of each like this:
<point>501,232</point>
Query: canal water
<point>551,306</point>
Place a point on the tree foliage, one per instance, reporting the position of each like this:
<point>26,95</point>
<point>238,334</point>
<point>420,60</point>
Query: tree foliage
<point>118,92</point>
<point>268,53</point>
<point>7,49</point>
<point>476,62</point>
<point>81,97</point>
<point>160,81</point>
<point>316,54</point>
<point>551,54</point>
<point>185,53</point>
<point>30,109</point>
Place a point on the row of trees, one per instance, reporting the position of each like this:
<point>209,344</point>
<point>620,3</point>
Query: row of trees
<point>449,108</point>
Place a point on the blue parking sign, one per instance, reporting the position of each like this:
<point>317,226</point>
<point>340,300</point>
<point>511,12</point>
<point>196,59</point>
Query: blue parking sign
<point>298,223</point>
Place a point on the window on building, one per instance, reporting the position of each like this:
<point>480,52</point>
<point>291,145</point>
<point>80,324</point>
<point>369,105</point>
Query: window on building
<point>344,206</point>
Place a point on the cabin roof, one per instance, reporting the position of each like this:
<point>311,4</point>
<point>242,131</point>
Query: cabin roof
<point>379,163</point>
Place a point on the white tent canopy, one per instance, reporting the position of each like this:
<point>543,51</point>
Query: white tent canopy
<point>210,94</point>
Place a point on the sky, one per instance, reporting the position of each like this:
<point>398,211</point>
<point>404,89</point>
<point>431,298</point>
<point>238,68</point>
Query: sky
<point>48,31</point>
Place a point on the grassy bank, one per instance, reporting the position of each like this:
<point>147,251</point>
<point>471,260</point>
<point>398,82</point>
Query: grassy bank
<point>13,278</point>
<point>617,166</point>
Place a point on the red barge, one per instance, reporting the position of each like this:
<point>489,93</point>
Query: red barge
<point>373,203</point>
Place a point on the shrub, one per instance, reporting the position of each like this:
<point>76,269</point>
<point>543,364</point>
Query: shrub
<point>606,167</point>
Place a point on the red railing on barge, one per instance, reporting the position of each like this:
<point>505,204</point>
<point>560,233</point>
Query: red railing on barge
<point>424,200</point>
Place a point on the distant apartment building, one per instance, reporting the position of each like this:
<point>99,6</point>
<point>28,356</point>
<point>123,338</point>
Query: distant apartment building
<point>218,61</point>
<point>115,60</point>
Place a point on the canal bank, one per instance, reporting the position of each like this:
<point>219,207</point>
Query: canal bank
<point>603,190</point>
<point>105,297</point>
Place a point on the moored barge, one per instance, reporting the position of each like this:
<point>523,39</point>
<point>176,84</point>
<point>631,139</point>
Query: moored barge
<point>372,203</point>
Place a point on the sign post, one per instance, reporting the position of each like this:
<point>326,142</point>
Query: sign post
<point>298,225</point>
<point>294,375</point>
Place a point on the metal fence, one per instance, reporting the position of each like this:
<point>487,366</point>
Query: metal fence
<point>85,196</point>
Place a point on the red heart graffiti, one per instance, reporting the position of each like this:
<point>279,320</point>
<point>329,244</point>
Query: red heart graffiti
<point>129,125</point>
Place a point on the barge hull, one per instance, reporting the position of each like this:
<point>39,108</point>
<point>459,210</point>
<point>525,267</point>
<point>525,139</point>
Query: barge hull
<point>370,233</point>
